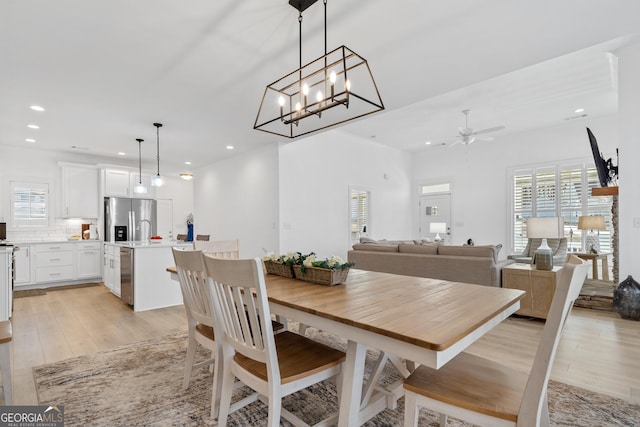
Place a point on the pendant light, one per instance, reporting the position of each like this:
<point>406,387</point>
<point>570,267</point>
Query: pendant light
<point>140,188</point>
<point>157,180</point>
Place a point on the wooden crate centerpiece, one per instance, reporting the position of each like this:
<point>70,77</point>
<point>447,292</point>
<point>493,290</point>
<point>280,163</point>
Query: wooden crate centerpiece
<point>322,276</point>
<point>279,269</point>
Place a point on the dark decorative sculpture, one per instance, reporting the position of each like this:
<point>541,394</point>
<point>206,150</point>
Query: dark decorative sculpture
<point>626,299</point>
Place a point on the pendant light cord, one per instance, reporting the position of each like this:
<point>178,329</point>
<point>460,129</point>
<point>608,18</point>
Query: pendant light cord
<point>158,126</point>
<point>139,160</point>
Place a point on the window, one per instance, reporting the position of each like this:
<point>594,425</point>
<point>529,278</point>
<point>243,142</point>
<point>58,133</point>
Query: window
<point>29,204</point>
<point>359,213</point>
<point>563,191</point>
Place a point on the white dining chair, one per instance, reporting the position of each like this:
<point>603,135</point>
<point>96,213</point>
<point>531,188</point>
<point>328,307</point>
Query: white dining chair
<point>272,365</point>
<point>196,296</point>
<point>486,393</point>
<point>219,248</point>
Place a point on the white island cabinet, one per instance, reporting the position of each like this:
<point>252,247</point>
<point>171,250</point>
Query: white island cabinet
<point>152,286</point>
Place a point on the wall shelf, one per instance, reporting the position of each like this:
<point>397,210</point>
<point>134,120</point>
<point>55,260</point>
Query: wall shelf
<point>604,191</point>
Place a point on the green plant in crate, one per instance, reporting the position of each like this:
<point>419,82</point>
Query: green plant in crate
<point>333,263</point>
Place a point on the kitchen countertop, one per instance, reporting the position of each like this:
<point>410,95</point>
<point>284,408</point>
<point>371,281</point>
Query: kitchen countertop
<point>142,245</point>
<point>32,242</point>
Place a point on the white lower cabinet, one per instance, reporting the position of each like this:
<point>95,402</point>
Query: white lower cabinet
<point>58,263</point>
<point>111,274</point>
<point>88,260</point>
<point>54,262</point>
<point>22,258</point>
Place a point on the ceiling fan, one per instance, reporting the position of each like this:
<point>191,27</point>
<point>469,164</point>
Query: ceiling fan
<point>467,135</point>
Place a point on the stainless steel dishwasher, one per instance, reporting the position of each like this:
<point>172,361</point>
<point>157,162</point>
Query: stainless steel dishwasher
<point>126,275</point>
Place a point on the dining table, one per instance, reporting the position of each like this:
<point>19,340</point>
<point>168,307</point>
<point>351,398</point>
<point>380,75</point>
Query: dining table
<point>410,320</point>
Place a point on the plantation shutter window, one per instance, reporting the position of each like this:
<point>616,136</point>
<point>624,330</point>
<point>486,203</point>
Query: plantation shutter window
<point>29,204</point>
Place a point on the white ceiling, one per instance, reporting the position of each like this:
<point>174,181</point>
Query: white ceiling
<point>106,70</point>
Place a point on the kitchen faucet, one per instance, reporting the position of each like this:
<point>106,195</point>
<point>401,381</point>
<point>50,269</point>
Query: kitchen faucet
<point>148,239</point>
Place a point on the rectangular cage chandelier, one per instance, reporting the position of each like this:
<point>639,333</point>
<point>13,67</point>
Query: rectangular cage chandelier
<point>335,88</point>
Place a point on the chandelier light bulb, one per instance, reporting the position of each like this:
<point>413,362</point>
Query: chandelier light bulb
<point>298,107</point>
<point>332,77</point>
<point>305,89</point>
<point>281,102</point>
<point>319,96</point>
<point>347,85</point>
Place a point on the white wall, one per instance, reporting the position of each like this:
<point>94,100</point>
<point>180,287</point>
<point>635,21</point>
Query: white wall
<point>181,193</point>
<point>315,175</point>
<point>479,173</point>
<point>629,196</point>
<point>237,198</point>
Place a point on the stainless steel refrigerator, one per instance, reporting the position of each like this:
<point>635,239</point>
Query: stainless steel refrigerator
<point>129,219</point>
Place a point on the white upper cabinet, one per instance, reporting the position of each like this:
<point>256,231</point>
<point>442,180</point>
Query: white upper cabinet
<point>121,183</point>
<point>79,191</point>
<point>116,183</point>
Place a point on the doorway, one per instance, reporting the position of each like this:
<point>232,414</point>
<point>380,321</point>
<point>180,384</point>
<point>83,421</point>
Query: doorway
<point>435,217</point>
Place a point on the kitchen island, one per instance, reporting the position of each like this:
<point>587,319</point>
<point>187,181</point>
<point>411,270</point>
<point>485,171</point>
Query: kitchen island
<point>135,272</point>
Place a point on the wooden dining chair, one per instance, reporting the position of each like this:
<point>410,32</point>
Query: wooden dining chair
<point>272,365</point>
<point>181,237</point>
<point>219,248</point>
<point>196,296</point>
<point>486,393</point>
<point>203,237</point>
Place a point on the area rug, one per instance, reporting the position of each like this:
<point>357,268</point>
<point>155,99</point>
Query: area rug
<point>141,384</point>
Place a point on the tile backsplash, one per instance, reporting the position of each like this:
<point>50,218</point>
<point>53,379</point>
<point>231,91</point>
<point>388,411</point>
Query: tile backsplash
<point>61,230</point>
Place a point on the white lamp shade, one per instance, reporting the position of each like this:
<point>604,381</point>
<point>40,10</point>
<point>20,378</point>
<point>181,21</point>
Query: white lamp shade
<point>438,227</point>
<point>592,222</point>
<point>543,227</point>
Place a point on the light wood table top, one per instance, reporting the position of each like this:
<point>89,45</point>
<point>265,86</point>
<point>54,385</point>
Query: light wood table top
<point>430,313</point>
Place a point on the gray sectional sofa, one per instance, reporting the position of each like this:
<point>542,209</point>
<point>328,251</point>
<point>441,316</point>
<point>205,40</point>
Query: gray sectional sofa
<point>469,264</point>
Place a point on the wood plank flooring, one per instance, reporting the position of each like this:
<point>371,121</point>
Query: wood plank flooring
<point>599,351</point>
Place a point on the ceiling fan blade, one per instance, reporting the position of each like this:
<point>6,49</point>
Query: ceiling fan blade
<point>484,138</point>
<point>488,130</point>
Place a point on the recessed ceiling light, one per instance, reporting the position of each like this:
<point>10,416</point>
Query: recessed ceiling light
<point>120,153</point>
<point>32,126</point>
<point>579,110</point>
<point>187,163</point>
<point>428,143</point>
<point>229,147</point>
<point>30,140</point>
<point>186,176</point>
<point>37,108</point>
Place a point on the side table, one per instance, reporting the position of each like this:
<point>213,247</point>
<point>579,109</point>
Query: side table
<point>594,262</point>
<point>539,285</point>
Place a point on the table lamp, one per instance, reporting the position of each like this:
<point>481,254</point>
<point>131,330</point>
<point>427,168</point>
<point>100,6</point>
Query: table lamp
<point>438,227</point>
<point>543,228</point>
<point>592,222</point>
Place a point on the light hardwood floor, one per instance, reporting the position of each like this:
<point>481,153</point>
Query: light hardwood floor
<point>599,351</point>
